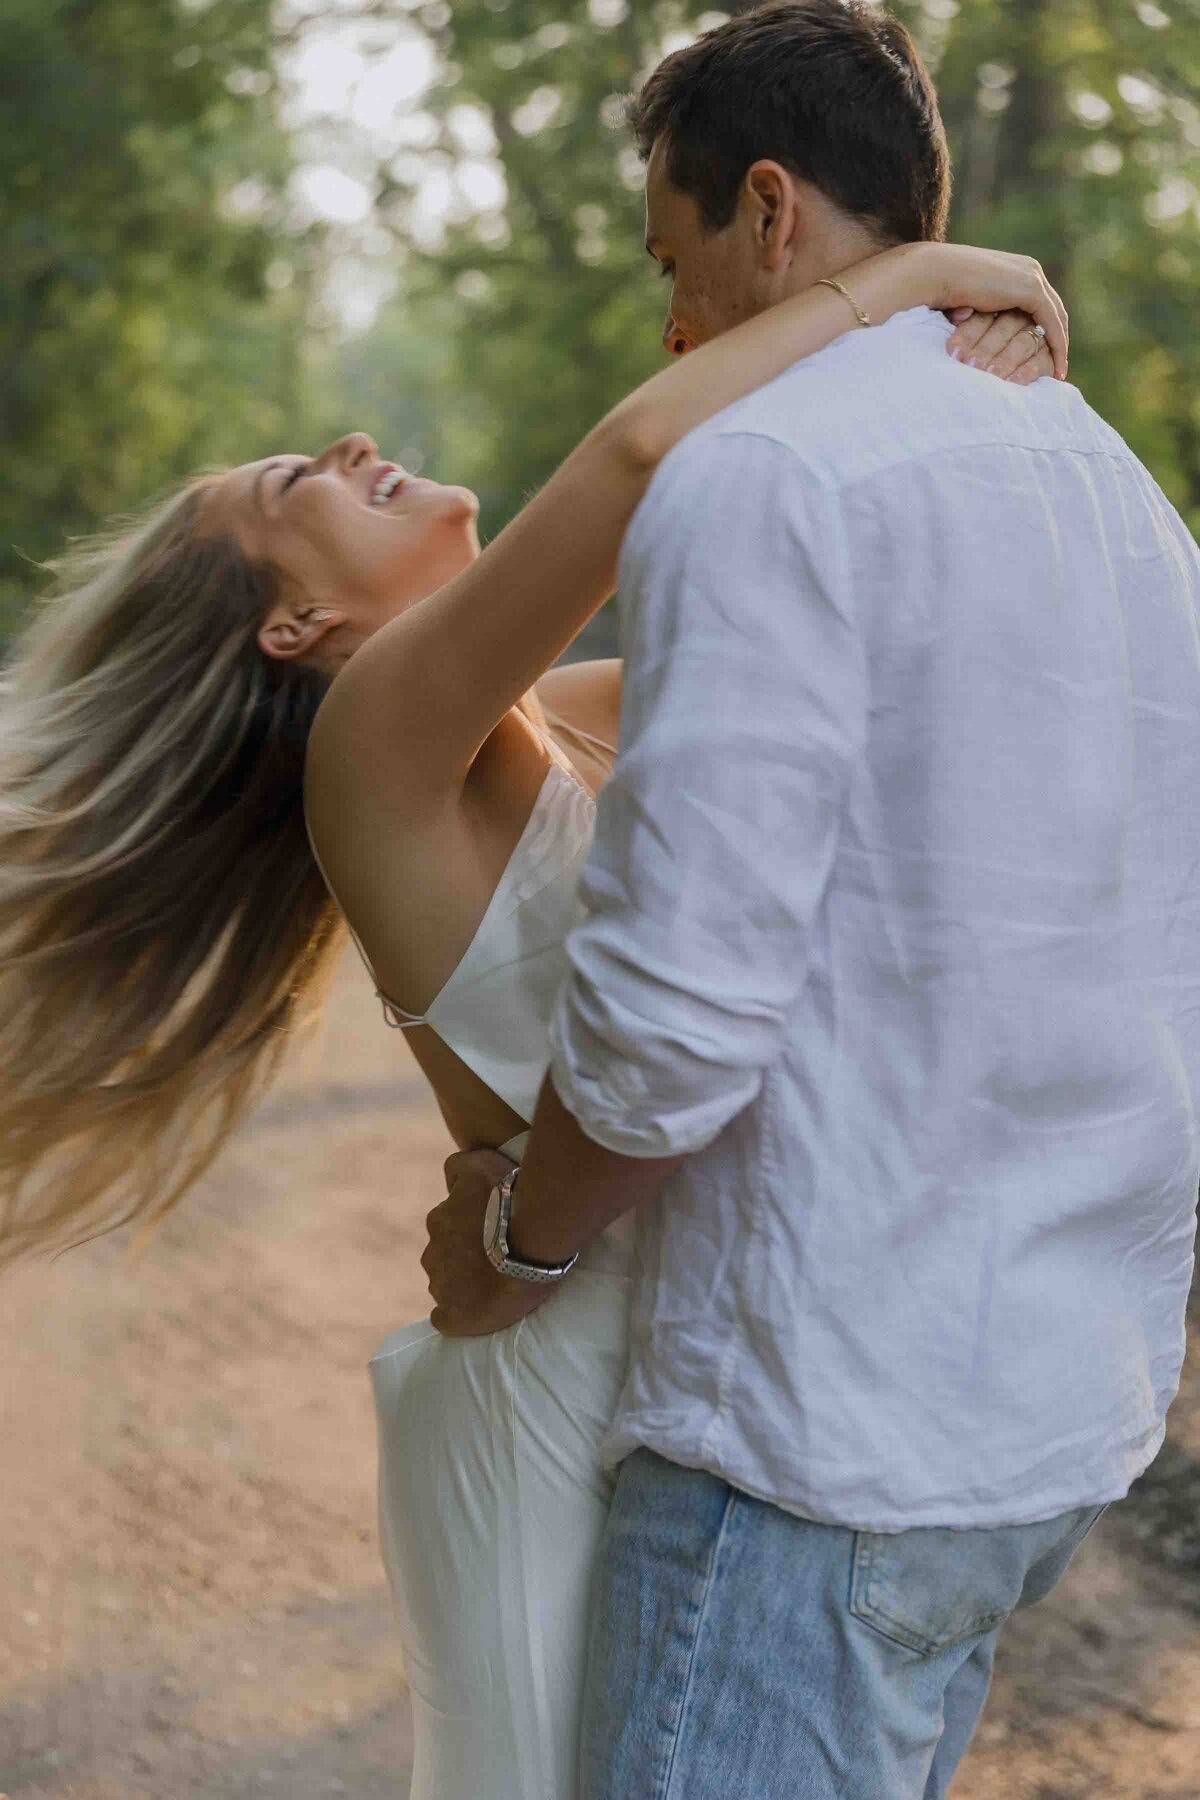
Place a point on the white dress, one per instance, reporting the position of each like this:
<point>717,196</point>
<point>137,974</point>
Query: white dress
<point>492,1497</point>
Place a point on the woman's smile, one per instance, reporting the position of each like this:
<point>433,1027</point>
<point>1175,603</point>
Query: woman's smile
<point>390,477</point>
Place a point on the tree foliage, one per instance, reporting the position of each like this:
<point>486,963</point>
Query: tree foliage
<point>157,292</point>
<point>1075,130</point>
<point>546,300</point>
<point>136,319</point>
<point>1075,126</point>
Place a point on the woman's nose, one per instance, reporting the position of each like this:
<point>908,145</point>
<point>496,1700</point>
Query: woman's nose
<point>348,451</point>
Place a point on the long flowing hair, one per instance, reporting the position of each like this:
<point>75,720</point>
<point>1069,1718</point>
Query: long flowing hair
<point>163,925</point>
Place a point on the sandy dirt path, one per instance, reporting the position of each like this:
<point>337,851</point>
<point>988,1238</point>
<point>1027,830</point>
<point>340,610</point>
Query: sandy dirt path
<point>193,1606</point>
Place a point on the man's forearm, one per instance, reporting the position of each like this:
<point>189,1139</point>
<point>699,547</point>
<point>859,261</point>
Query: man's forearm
<point>570,1187</point>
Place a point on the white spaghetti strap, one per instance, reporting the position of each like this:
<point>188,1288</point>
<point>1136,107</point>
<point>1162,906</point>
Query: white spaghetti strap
<point>589,737</point>
<point>576,731</point>
<point>403,1020</point>
<point>492,1008</point>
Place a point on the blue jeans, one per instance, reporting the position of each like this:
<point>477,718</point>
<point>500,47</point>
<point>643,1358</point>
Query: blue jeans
<point>739,1653</point>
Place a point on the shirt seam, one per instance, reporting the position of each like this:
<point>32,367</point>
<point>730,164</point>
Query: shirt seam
<point>828,479</point>
<point>719,1420</point>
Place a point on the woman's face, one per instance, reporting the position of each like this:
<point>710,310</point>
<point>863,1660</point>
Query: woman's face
<point>351,537</point>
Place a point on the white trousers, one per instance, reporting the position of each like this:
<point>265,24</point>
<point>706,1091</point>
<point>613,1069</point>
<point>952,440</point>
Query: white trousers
<point>491,1504</point>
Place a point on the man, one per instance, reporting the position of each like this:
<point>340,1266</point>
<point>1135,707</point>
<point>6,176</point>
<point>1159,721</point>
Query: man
<point>882,1010</point>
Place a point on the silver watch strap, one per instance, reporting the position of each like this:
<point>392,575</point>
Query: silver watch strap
<point>496,1240</point>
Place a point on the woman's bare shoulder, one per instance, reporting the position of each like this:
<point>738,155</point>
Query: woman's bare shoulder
<point>414,879</point>
<point>585,696</point>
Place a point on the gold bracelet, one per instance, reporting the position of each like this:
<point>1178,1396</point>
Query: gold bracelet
<point>860,315</point>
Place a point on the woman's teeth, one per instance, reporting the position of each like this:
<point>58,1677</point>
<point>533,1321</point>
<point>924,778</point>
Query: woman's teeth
<point>386,486</point>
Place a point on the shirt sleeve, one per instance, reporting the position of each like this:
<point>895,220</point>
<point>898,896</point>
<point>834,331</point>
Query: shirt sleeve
<point>744,705</point>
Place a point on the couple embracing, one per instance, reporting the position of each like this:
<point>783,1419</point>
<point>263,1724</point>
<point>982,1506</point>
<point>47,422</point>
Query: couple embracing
<point>832,1049</point>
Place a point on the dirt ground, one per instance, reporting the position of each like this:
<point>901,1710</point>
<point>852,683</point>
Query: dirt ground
<point>191,1598</point>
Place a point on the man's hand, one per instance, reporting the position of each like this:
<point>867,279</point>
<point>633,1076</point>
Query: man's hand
<point>471,1299</point>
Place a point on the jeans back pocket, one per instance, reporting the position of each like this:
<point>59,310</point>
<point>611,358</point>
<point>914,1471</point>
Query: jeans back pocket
<point>929,1587</point>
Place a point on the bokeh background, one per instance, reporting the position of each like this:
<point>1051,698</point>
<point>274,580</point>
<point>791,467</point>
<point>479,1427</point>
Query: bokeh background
<point>230,227</point>
<point>234,227</point>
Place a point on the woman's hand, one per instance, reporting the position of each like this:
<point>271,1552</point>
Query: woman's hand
<point>471,1298</point>
<point>1003,344</point>
<point>1000,283</point>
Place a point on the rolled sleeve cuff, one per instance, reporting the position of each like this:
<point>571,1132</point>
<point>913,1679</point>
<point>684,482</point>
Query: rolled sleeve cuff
<point>629,1102</point>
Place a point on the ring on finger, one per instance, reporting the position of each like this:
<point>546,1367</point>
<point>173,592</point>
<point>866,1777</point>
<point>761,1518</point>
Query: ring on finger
<point>1038,332</point>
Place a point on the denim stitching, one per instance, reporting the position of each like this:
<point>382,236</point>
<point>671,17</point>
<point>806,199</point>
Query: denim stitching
<point>663,1791</point>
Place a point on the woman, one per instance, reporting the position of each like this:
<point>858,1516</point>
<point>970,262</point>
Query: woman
<point>164,926</point>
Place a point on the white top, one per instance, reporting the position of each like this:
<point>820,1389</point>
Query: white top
<point>494,1011</point>
<point>894,915</point>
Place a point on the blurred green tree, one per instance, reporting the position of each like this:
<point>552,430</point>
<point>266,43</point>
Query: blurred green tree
<point>536,310</point>
<point>144,299</point>
<point>157,292</point>
<point>1075,127</point>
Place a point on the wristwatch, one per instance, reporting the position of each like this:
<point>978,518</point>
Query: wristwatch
<point>495,1238</point>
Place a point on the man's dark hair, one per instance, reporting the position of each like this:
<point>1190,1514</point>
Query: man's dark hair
<point>834,90</point>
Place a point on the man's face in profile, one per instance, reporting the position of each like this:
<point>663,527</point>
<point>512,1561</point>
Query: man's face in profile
<point>714,274</point>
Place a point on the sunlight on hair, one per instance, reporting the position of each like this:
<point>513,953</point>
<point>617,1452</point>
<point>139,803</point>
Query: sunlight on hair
<point>164,929</point>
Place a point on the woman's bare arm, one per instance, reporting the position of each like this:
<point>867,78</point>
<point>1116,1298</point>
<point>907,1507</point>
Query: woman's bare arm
<point>430,687</point>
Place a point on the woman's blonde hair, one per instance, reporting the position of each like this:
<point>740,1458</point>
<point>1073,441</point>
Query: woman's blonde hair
<point>163,924</point>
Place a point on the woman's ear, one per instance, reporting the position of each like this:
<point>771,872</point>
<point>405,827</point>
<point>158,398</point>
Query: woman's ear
<point>771,195</point>
<point>289,632</point>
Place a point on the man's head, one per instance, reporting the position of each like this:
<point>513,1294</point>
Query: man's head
<point>782,146</point>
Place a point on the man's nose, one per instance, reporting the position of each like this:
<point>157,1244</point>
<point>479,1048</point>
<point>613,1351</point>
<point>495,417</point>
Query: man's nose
<point>676,341</point>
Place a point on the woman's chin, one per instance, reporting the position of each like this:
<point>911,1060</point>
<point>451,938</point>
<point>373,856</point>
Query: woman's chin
<point>463,519</point>
<point>466,502</point>
<point>419,492</point>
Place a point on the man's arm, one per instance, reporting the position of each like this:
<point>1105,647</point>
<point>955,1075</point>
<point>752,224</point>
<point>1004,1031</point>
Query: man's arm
<point>571,1187</point>
<point>745,703</point>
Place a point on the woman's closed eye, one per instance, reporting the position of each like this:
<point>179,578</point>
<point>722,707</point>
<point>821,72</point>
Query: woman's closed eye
<point>292,475</point>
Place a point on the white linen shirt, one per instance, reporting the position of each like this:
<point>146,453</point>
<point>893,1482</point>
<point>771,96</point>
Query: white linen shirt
<point>893,918</point>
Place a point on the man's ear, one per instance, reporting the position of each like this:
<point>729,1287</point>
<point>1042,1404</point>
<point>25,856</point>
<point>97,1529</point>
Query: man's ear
<point>770,193</point>
<point>289,631</point>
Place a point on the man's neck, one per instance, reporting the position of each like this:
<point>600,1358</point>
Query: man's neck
<point>830,255</point>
